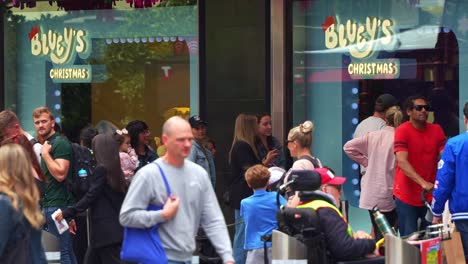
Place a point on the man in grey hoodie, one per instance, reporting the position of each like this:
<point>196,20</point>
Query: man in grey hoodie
<point>192,203</point>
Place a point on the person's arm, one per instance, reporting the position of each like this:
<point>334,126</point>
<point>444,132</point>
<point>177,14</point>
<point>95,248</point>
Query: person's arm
<point>58,167</point>
<point>341,245</point>
<point>95,189</point>
<point>212,168</point>
<point>445,181</point>
<point>134,211</point>
<point>6,223</point>
<point>213,223</point>
<point>409,171</point>
<point>356,149</point>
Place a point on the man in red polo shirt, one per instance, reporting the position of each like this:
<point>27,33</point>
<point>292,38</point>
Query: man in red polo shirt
<point>417,147</point>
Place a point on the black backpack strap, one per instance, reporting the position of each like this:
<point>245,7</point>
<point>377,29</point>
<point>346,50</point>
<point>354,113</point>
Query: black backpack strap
<point>312,160</point>
<point>33,141</point>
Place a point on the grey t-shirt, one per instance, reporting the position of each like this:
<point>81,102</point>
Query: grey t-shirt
<point>198,206</point>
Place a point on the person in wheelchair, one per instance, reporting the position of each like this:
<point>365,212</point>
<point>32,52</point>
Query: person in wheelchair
<point>340,241</point>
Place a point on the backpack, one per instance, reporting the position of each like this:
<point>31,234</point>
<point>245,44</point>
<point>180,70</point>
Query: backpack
<point>83,159</point>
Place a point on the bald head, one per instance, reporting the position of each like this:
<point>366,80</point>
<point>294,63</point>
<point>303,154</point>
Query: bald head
<point>177,138</point>
<point>174,123</point>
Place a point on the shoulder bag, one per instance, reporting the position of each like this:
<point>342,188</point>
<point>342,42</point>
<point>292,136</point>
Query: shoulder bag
<point>143,245</point>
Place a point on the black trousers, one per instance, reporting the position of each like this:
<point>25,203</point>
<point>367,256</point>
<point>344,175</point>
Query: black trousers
<point>104,255</point>
<point>80,240</point>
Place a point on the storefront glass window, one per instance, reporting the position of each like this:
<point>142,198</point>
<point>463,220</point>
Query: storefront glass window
<point>347,53</point>
<point>103,67</point>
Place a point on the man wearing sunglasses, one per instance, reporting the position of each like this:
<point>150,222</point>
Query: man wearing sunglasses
<point>417,147</point>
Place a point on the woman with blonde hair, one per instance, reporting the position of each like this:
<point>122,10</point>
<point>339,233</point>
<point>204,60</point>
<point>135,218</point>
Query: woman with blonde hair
<point>299,143</point>
<point>375,152</point>
<point>243,155</point>
<point>21,220</point>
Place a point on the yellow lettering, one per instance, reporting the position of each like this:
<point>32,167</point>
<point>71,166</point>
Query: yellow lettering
<point>45,49</point>
<point>341,34</point>
<point>351,31</point>
<point>81,46</point>
<point>36,45</point>
<point>331,38</point>
<point>387,25</point>
<point>52,38</point>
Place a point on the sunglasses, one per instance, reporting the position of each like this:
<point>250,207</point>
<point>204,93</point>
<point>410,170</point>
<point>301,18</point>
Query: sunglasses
<point>420,107</point>
<point>288,141</point>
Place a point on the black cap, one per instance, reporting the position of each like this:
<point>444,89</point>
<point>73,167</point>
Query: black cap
<point>304,180</point>
<point>195,121</point>
<point>384,102</point>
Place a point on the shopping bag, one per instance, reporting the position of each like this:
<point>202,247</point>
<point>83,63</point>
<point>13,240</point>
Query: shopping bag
<point>452,249</point>
<point>430,249</point>
<point>143,245</point>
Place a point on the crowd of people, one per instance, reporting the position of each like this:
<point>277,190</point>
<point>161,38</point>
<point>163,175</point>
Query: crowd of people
<point>398,151</point>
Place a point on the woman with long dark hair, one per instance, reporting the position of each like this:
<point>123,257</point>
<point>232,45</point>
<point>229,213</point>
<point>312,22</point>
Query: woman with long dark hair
<point>20,217</point>
<point>104,197</point>
<point>140,139</point>
<point>269,148</point>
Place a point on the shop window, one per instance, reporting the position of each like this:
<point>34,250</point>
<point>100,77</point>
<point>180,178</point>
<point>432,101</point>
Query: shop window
<point>102,67</point>
<point>337,76</point>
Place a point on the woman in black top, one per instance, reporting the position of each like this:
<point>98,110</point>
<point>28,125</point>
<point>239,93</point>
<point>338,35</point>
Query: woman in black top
<point>140,139</point>
<point>104,197</point>
<point>242,156</point>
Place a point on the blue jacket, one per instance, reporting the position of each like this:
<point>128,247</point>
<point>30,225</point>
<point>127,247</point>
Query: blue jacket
<point>204,158</point>
<point>452,179</point>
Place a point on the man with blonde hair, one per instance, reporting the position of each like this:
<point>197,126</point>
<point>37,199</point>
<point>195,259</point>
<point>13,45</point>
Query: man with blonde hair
<point>57,154</point>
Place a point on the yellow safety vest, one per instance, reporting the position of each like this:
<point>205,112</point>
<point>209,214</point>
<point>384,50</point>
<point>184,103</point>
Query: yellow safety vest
<point>316,204</point>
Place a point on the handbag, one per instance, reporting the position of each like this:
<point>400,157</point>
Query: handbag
<point>143,245</point>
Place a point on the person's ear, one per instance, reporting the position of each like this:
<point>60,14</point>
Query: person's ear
<point>323,188</point>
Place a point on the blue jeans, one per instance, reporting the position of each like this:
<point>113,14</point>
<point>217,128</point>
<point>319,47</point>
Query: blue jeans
<point>66,247</point>
<point>408,216</point>
<point>240,254</point>
<point>462,227</point>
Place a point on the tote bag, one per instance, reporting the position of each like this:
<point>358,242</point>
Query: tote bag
<point>143,245</point>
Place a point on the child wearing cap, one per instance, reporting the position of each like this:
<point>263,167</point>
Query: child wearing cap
<point>259,213</point>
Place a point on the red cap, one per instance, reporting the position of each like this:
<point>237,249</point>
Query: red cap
<point>329,178</point>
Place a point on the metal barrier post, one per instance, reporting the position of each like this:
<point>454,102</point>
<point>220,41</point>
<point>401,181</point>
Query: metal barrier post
<point>287,247</point>
<point>397,251</point>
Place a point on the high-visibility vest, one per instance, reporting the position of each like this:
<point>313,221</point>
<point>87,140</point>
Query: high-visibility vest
<point>317,204</point>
